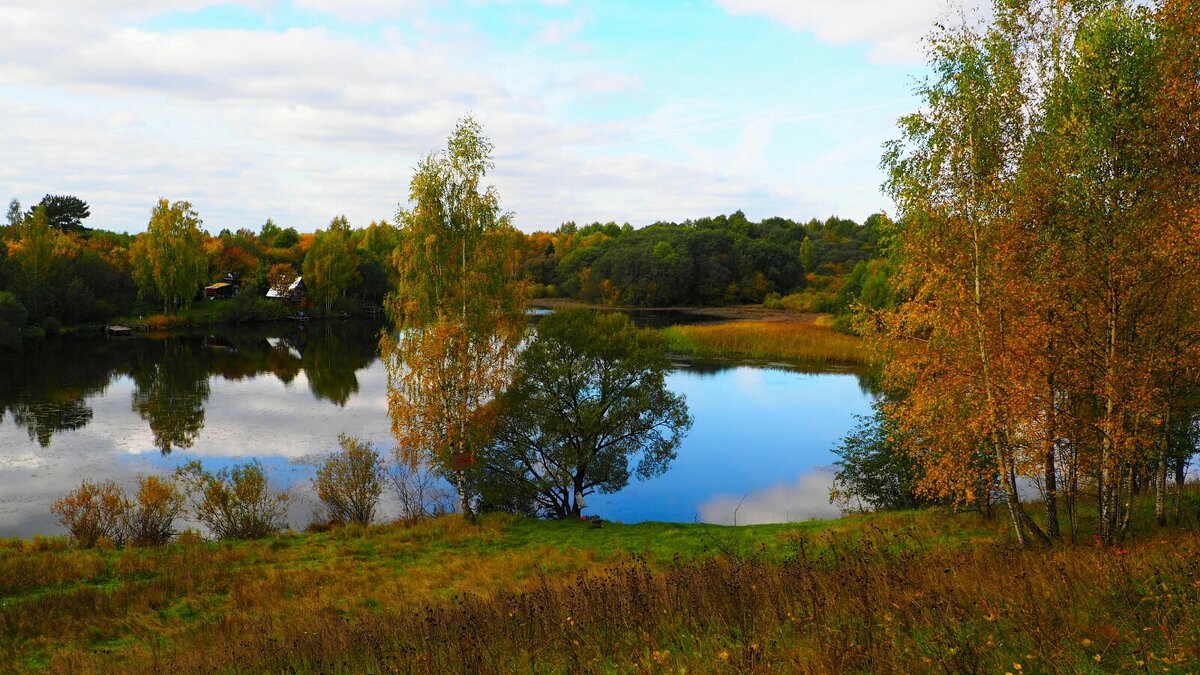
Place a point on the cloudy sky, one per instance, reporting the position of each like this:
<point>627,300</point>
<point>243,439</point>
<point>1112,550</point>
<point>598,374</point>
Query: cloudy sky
<point>298,110</point>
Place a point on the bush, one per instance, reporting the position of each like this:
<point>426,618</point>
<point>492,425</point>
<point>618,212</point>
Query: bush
<point>151,521</point>
<point>349,482</point>
<point>249,305</point>
<point>420,493</point>
<point>234,503</point>
<point>93,513</point>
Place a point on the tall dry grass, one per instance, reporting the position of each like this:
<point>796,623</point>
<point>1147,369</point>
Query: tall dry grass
<point>791,341</point>
<point>449,597</point>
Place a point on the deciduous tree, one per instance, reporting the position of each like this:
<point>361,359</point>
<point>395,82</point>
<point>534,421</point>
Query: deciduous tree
<point>331,264</point>
<point>590,400</point>
<point>458,306</point>
<point>169,260</point>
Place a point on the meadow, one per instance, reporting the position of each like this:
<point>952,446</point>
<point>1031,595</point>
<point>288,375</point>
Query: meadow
<point>895,592</point>
<point>804,339</point>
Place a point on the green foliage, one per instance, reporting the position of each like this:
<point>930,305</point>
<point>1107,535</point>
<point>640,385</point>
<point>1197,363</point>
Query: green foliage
<point>350,481</point>
<point>36,258</point>
<point>169,260</point>
<point>12,320</point>
<point>462,310</point>
<point>873,471</point>
<point>14,217</point>
<point>64,212</point>
<point>710,261</point>
<point>456,238</point>
<point>331,264</point>
<point>234,503</point>
<point>249,306</point>
<point>589,400</point>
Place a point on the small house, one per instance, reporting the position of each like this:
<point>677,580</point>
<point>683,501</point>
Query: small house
<point>220,290</point>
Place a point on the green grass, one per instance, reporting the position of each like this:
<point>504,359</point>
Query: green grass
<point>927,590</point>
<point>71,609</point>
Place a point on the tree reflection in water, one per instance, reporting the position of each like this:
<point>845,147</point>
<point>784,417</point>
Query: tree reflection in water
<point>46,388</point>
<point>171,393</point>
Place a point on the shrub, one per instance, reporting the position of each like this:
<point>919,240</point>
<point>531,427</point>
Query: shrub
<point>234,503</point>
<point>420,493</point>
<point>250,305</point>
<point>349,482</point>
<point>92,513</point>
<point>151,520</point>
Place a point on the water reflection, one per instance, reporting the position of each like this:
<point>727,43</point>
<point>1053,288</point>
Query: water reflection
<point>171,393</point>
<point>97,408</point>
<point>867,378</point>
<point>46,388</point>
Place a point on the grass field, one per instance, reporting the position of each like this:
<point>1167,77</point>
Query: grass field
<point>798,341</point>
<point>895,592</point>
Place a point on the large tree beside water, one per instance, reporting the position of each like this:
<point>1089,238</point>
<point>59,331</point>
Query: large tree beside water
<point>1047,256</point>
<point>459,311</point>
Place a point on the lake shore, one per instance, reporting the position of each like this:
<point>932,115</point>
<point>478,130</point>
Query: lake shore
<point>863,592</point>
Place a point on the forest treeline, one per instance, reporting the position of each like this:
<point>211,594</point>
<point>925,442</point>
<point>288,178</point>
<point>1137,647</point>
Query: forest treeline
<point>55,271</point>
<point>712,261</point>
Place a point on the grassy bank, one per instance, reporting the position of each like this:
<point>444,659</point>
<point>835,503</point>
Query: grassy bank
<point>887,593</point>
<point>801,341</point>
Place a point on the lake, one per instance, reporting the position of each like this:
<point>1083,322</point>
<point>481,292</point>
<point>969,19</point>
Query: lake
<point>97,408</point>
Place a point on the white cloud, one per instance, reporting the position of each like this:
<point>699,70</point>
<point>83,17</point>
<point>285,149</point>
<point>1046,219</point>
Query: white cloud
<point>303,123</point>
<point>893,29</point>
<point>559,32</point>
<point>805,499</point>
<point>364,11</point>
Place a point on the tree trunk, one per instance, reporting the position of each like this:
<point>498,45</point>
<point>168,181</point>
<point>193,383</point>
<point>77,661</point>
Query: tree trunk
<point>1180,477</point>
<point>1128,507</point>
<point>464,499</point>
<point>1110,481</point>
<point>1160,472</point>
<point>1050,441</point>
<point>1051,472</point>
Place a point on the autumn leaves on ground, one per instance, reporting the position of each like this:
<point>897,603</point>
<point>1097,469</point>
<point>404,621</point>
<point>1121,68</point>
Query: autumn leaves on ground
<point>896,592</point>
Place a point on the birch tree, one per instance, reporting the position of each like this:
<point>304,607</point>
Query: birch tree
<point>169,260</point>
<point>458,309</point>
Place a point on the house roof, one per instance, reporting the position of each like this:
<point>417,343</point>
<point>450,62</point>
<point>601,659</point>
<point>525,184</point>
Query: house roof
<point>273,293</point>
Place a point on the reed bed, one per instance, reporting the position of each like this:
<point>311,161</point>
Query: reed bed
<point>767,340</point>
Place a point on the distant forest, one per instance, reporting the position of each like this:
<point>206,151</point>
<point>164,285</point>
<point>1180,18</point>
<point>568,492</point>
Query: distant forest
<point>55,271</point>
<point>713,261</point>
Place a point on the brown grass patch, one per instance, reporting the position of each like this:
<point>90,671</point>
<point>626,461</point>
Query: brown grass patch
<point>792,341</point>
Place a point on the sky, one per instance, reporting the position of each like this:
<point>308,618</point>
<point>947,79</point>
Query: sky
<point>300,110</point>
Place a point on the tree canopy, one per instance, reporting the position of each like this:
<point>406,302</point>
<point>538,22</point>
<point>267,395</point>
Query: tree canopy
<point>589,401</point>
<point>65,213</point>
<point>460,308</point>
<point>169,261</point>
<point>1046,258</point>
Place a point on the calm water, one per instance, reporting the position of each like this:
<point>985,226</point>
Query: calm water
<point>96,408</point>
